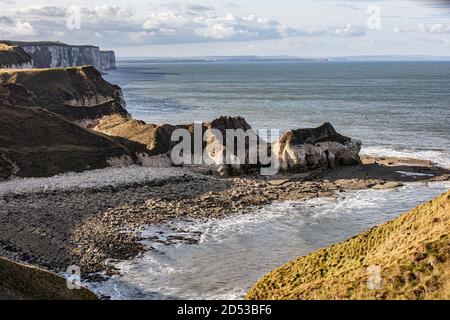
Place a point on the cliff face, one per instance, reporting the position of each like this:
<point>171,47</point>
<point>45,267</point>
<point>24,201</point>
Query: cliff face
<point>78,93</point>
<point>61,55</point>
<point>158,139</point>
<point>14,57</point>
<point>410,252</point>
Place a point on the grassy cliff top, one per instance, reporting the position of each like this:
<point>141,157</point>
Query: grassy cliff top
<point>412,252</point>
<point>21,282</point>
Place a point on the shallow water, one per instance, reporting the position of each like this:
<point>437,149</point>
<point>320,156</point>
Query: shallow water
<point>226,257</point>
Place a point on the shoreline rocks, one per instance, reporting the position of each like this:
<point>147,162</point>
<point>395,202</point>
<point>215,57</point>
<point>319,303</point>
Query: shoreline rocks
<point>322,147</point>
<point>89,227</point>
<point>298,150</point>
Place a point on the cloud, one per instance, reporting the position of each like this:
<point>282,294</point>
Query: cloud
<point>434,28</point>
<point>349,31</point>
<point>42,11</point>
<point>348,6</point>
<point>110,25</point>
<point>10,27</point>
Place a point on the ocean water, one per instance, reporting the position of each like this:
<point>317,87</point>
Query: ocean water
<point>396,108</point>
<point>227,256</point>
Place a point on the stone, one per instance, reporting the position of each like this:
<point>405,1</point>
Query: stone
<point>303,150</point>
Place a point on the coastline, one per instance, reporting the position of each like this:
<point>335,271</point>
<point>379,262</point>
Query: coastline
<point>95,226</point>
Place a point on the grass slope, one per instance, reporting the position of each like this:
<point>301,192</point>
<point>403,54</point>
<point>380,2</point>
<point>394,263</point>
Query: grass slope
<point>412,252</point>
<point>20,282</point>
<point>76,93</point>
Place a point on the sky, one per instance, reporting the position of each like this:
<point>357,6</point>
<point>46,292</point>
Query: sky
<point>170,28</point>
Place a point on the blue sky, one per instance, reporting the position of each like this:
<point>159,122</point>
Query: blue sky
<point>309,28</point>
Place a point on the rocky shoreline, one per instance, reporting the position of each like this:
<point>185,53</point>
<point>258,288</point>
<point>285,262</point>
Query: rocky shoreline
<point>94,226</point>
<point>55,121</point>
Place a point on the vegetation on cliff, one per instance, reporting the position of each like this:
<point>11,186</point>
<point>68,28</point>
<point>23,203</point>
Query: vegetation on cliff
<point>411,252</point>
<point>78,93</point>
<point>21,282</point>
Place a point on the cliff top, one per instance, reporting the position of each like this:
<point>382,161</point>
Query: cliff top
<point>411,252</point>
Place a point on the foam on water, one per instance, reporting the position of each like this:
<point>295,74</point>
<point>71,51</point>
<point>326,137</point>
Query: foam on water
<point>440,157</point>
<point>222,258</point>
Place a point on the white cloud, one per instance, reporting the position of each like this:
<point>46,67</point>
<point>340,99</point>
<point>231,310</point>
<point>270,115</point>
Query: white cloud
<point>434,28</point>
<point>112,25</point>
<point>12,27</point>
<point>349,31</point>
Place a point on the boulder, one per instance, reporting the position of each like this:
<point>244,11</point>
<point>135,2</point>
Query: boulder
<point>158,139</point>
<point>78,94</point>
<point>322,147</point>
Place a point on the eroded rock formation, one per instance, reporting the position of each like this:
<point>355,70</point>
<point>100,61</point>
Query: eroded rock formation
<point>158,139</point>
<point>48,54</point>
<point>322,147</point>
<point>78,94</point>
<point>296,151</point>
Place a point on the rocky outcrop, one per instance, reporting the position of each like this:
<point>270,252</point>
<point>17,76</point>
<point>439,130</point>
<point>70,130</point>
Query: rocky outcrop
<point>406,258</point>
<point>22,282</point>
<point>47,54</point>
<point>78,94</point>
<point>35,143</point>
<point>296,151</point>
<point>307,149</point>
<point>14,57</point>
<point>158,139</point>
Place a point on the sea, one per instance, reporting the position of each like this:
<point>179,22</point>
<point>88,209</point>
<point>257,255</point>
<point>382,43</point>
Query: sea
<point>395,108</point>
